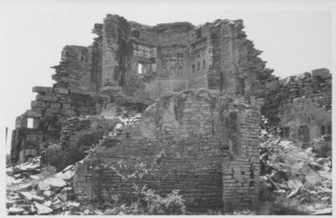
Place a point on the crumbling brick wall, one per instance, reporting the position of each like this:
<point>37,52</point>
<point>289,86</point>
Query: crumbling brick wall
<point>241,169</point>
<point>74,69</point>
<point>191,129</point>
<point>49,111</point>
<point>301,104</point>
<point>80,134</point>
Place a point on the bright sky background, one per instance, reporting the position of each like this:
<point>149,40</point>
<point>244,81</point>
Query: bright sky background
<point>295,36</point>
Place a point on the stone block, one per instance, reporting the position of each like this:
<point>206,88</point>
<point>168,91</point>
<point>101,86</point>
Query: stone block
<point>38,104</point>
<point>80,91</point>
<point>38,110</point>
<point>42,210</point>
<point>46,98</point>
<point>55,105</point>
<point>32,114</point>
<point>323,73</point>
<point>68,112</point>
<point>61,91</point>
<point>52,111</point>
<point>15,211</point>
<point>43,89</point>
<point>66,106</point>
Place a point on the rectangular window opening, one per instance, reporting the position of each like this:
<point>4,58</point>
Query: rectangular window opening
<point>140,68</point>
<point>30,123</point>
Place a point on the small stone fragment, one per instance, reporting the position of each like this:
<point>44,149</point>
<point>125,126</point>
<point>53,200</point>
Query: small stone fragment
<point>55,182</point>
<point>42,210</point>
<point>15,211</point>
<point>56,204</point>
<point>48,193</point>
<point>43,186</point>
<point>26,195</point>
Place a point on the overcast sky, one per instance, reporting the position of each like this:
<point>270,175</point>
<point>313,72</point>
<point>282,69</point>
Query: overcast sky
<point>295,36</point>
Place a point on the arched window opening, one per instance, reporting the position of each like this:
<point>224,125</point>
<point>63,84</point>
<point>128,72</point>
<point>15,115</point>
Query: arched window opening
<point>203,64</point>
<point>193,68</point>
<point>198,66</point>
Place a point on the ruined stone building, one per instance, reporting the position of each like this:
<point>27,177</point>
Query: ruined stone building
<point>200,91</point>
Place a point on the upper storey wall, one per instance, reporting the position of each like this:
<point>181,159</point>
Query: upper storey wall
<point>144,62</point>
<point>236,65</point>
<point>163,34</point>
<point>74,70</point>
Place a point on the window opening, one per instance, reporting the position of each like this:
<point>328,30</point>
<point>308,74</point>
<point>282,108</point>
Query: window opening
<point>30,123</point>
<point>140,68</point>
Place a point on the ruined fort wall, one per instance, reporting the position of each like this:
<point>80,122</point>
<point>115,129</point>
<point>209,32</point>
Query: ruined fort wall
<point>241,169</point>
<point>301,105</point>
<point>141,60</point>
<point>97,55</point>
<point>190,131</point>
<point>74,69</point>
<point>236,63</point>
<point>49,112</point>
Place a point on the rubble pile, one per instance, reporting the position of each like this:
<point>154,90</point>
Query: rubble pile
<point>293,173</point>
<point>34,190</point>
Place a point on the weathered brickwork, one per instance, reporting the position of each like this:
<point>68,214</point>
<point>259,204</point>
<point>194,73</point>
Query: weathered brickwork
<point>241,169</point>
<point>301,104</point>
<point>145,61</point>
<point>188,128</point>
<point>49,111</point>
<point>82,132</point>
<point>74,70</point>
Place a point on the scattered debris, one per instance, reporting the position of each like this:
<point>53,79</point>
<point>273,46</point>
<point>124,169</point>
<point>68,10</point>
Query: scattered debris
<point>30,191</point>
<point>294,173</point>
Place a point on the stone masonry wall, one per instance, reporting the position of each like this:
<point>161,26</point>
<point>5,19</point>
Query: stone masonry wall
<point>147,61</point>
<point>190,130</point>
<point>49,111</point>
<point>241,170</point>
<point>74,70</point>
<point>301,103</point>
<point>236,66</point>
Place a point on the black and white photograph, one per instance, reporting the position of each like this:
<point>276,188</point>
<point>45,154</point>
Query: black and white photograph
<point>143,107</point>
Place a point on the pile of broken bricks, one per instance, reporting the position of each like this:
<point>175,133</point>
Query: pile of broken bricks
<point>31,190</point>
<point>292,172</point>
